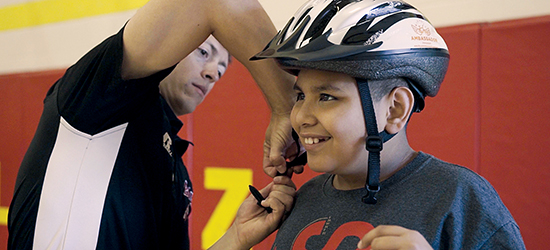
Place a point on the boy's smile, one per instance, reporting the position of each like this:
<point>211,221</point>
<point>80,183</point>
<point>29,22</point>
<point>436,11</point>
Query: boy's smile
<point>329,120</point>
<point>314,140</point>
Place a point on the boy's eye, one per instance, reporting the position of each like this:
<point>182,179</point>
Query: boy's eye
<point>325,97</point>
<point>300,96</point>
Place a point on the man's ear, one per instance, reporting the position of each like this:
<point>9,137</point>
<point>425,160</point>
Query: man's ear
<point>401,102</point>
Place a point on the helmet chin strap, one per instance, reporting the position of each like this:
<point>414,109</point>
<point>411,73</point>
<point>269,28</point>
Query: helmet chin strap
<point>374,142</point>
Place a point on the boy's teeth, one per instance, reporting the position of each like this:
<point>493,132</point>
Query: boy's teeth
<point>311,140</point>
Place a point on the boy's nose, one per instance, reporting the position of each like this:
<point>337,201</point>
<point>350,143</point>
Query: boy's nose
<point>304,115</point>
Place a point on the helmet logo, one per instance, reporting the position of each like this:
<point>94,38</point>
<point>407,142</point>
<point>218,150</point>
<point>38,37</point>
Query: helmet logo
<point>424,35</point>
<point>421,29</point>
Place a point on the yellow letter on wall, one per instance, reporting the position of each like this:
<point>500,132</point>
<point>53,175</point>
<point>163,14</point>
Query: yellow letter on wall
<point>3,210</point>
<point>235,182</point>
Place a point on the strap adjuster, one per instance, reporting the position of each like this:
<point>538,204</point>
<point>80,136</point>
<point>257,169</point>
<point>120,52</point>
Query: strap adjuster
<point>374,143</point>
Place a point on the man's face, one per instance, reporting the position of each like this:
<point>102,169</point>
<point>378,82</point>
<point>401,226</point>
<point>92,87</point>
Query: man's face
<point>329,120</point>
<point>193,78</point>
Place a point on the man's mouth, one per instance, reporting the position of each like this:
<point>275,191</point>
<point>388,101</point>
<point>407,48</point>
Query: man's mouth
<point>201,88</point>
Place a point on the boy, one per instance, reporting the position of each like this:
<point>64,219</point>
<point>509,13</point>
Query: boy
<point>364,67</point>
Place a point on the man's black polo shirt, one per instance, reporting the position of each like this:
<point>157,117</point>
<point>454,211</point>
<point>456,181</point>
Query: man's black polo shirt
<point>104,169</point>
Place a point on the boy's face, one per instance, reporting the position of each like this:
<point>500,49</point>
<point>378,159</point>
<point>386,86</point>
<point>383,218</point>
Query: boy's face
<point>194,76</point>
<point>329,120</point>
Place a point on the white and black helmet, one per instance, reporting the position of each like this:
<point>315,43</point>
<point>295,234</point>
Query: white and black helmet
<point>368,40</point>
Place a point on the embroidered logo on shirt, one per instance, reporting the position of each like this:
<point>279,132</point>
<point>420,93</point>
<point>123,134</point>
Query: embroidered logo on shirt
<point>167,142</point>
<point>187,192</point>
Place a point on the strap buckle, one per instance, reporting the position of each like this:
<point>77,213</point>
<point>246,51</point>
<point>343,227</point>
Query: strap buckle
<point>370,197</point>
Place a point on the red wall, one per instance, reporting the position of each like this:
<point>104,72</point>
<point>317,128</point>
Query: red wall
<point>514,144</point>
<point>490,116</point>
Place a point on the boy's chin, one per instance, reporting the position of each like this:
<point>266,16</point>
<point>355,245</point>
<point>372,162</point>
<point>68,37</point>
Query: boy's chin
<point>319,168</point>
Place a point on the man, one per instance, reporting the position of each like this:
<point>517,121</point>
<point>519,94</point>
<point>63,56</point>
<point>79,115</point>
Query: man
<point>104,169</point>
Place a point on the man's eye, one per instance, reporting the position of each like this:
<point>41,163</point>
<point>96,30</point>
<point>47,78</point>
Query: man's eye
<point>300,96</point>
<point>203,52</point>
<point>325,97</point>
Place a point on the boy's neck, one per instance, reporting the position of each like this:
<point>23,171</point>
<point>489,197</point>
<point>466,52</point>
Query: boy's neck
<point>396,154</point>
<point>392,165</point>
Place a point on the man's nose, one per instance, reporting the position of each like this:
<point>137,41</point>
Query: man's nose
<point>210,72</point>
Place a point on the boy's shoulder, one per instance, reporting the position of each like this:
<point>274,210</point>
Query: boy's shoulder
<point>430,173</point>
<point>458,181</point>
<point>433,166</point>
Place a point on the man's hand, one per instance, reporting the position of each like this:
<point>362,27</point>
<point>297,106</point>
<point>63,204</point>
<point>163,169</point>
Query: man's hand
<point>279,146</point>
<point>393,237</point>
<point>253,223</point>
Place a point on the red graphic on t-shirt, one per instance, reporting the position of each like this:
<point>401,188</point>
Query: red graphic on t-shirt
<point>351,229</point>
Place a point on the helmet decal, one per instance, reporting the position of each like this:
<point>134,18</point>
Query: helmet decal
<point>387,8</point>
<point>357,34</point>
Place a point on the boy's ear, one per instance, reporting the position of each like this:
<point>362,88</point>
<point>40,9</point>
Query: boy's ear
<point>401,102</point>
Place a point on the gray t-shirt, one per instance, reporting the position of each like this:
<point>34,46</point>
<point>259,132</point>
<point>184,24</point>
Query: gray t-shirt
<point>451,206</point>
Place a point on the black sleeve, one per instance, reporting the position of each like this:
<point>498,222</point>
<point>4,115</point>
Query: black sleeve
<point>93,97</point>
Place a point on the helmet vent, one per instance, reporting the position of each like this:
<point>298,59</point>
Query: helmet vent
<point>343,3</point>
<point>301,18</point>
<point>321,22</point>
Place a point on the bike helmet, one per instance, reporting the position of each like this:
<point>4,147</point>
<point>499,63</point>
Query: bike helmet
<point>368,40</point>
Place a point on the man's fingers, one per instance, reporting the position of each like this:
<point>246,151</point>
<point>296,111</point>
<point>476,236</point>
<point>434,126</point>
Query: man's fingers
<point>278,142</point>
<point>280,202</point>
<point>274,161</point>
<point>298,169</point>
<point>280,194</point>
<point>268,167</point>
<point>284,180</point>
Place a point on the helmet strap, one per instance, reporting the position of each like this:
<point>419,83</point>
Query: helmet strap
<point>374,142</point>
